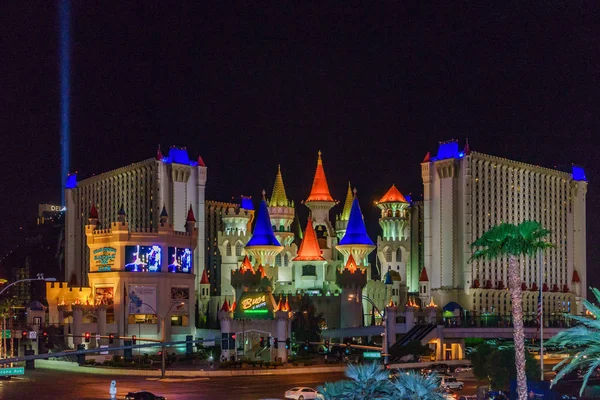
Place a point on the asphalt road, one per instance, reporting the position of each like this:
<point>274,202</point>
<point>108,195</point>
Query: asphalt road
<point>47,384</point>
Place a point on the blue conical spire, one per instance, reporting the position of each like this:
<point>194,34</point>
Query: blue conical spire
<point>356,233</point>
<point>388,279</point>
<point>263,232</point>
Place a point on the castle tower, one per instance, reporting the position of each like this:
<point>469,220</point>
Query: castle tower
<point>309,265</point>
<point>203,298</point>
<point>282,213</point>
<point>245,279</point>
<point>121,215</point>
<point>393,246</point>
<point>263,246</point>
<point>231,241</point>
<point>424,289</point>
<point>352,279</point>
<point>356,242</point>
<point>320,203</point>
<point>190,221</point>
<point>164,216</point>
<point>342,219</point>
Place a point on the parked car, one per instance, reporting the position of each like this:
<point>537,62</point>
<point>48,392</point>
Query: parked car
<point>451,383</point>
<point>436,368</point>
<point>463,368</point>
<point>302,393</point>
<point>143,395</point>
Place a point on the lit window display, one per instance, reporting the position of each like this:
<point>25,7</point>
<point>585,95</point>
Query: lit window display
<point>143,258</point>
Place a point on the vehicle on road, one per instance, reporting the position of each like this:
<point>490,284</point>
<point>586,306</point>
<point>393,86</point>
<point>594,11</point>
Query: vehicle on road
<point>468,397</point>
<point>451,383</point>
<point>463,368</point>
<point>302,393</point>
<point>436,368</point>
<point>143,395</point>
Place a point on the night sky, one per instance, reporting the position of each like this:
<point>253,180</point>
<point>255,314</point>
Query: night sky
<point>248,88</point>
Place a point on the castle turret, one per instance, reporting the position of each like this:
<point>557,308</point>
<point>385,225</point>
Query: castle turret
<point>281,211</point>
<point>121,215</point>
<point>352,279</point>
<point>342,220</point>
<point>424,289</point>
<point>164,216</point>
<point>309,263</point>
<point>393,246</point>
<point>190,221</point>
<point>356,242</point>
<point>245,279</point>
<point>320,201</point>
<point>263,246</point>
<point>93,216</point>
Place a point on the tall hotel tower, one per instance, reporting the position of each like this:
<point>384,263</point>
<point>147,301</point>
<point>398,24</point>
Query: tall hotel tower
<point>465,194</point>
<point>174,182</point>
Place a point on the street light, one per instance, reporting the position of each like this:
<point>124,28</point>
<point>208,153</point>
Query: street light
<point>162,333</point>
<point>40,277</point>
<point>385,329</point>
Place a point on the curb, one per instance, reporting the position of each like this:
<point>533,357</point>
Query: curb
<point>74,367</point>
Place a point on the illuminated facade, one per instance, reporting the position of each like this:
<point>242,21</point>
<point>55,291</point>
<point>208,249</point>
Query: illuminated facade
<point>136,277</point>
<point>465,194</point>
<point>174,182</point>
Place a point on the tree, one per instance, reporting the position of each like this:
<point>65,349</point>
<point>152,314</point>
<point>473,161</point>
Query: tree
<point>370,381</point>
<point>514,241</point>
<point>479,360</point>
<point>581,342</point>
<point>502,368</point>
<point>306,323</point>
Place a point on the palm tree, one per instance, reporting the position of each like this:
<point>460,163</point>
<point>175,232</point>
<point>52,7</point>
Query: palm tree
<point>514,241</point>
<point>582,343</point>
<point>370,381</point>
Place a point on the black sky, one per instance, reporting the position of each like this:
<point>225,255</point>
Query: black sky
<point>249,87</point>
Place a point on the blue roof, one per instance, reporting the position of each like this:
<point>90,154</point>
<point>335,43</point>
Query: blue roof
<point>179,155</point>
<point>452,306</point>
<point>247,203</point>
<point>448,150</point>
<point>388,279</point>
<point>263,232</point>
<point>578,173</point>
<point>121,210</point>
<point>71,182</point>
<point>163,213</point>
<point>356,233</point>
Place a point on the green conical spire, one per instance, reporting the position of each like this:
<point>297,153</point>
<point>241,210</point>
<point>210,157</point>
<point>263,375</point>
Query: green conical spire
<point>278,198</point>
<point>347,205</point>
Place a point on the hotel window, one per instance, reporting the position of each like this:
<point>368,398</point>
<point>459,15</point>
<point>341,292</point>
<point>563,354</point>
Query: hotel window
<point>238,249</point>
<point>309,270</point>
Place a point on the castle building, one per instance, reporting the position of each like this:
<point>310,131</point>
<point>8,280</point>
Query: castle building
<point>174,181</point>
<point>140,281</point>
<point>465,194</point>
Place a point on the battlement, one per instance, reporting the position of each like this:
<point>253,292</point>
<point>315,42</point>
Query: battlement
<point>351,278</point>
<point>236,212</point>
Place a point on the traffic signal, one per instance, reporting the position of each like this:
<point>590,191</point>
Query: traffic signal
<point>111,338</point>
<point>24,335</point>
<point>45,336</point>
<point>269,342</point>
<point>262,342</point>
<point>133,339</point>
<point>306,343</point>
<point>288,343</point>
<point>87,337</point>
<point>275,343</point>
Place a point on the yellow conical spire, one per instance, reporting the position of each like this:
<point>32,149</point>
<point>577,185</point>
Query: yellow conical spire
<point>347,204</point>
<point>279,198</point>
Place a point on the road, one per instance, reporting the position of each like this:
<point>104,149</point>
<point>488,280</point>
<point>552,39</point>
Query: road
<point>47,384</point>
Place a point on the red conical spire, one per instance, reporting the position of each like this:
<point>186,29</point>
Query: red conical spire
<point>233,306</point>
<point>225,306</point>
<point>190,216</point>
<point>423,277</point>
<point>351,264</point>
<point>204,279</point>
<point>320,189</point>
<point>393,196</point>
<point>287,304</point>
<point>575,278</point>
<point>467,149</point>
<point>309,247</point>
<point>159,155</point>
<point>246,265</point>
<point>201,162</point>
<point>427,157</point>
<point>261,271</point>
<point>93,212</point>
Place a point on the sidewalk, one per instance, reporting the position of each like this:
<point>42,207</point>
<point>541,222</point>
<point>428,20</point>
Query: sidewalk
<point>74,367</point>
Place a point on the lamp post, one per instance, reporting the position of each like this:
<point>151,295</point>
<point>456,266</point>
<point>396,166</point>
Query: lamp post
<point>162,333</point>
<point>39,278</point>
<point>385,330</point>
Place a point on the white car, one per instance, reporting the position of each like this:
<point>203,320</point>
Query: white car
<point>464,368</point>
<point>449,382</point>
<point>302,393</point>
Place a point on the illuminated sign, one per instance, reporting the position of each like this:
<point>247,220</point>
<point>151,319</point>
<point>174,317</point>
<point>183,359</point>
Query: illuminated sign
<point>143,258</point>
<point>180,260</point>
<point>255,303</point>
<point>254,306</point>
<point>104,258</point>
